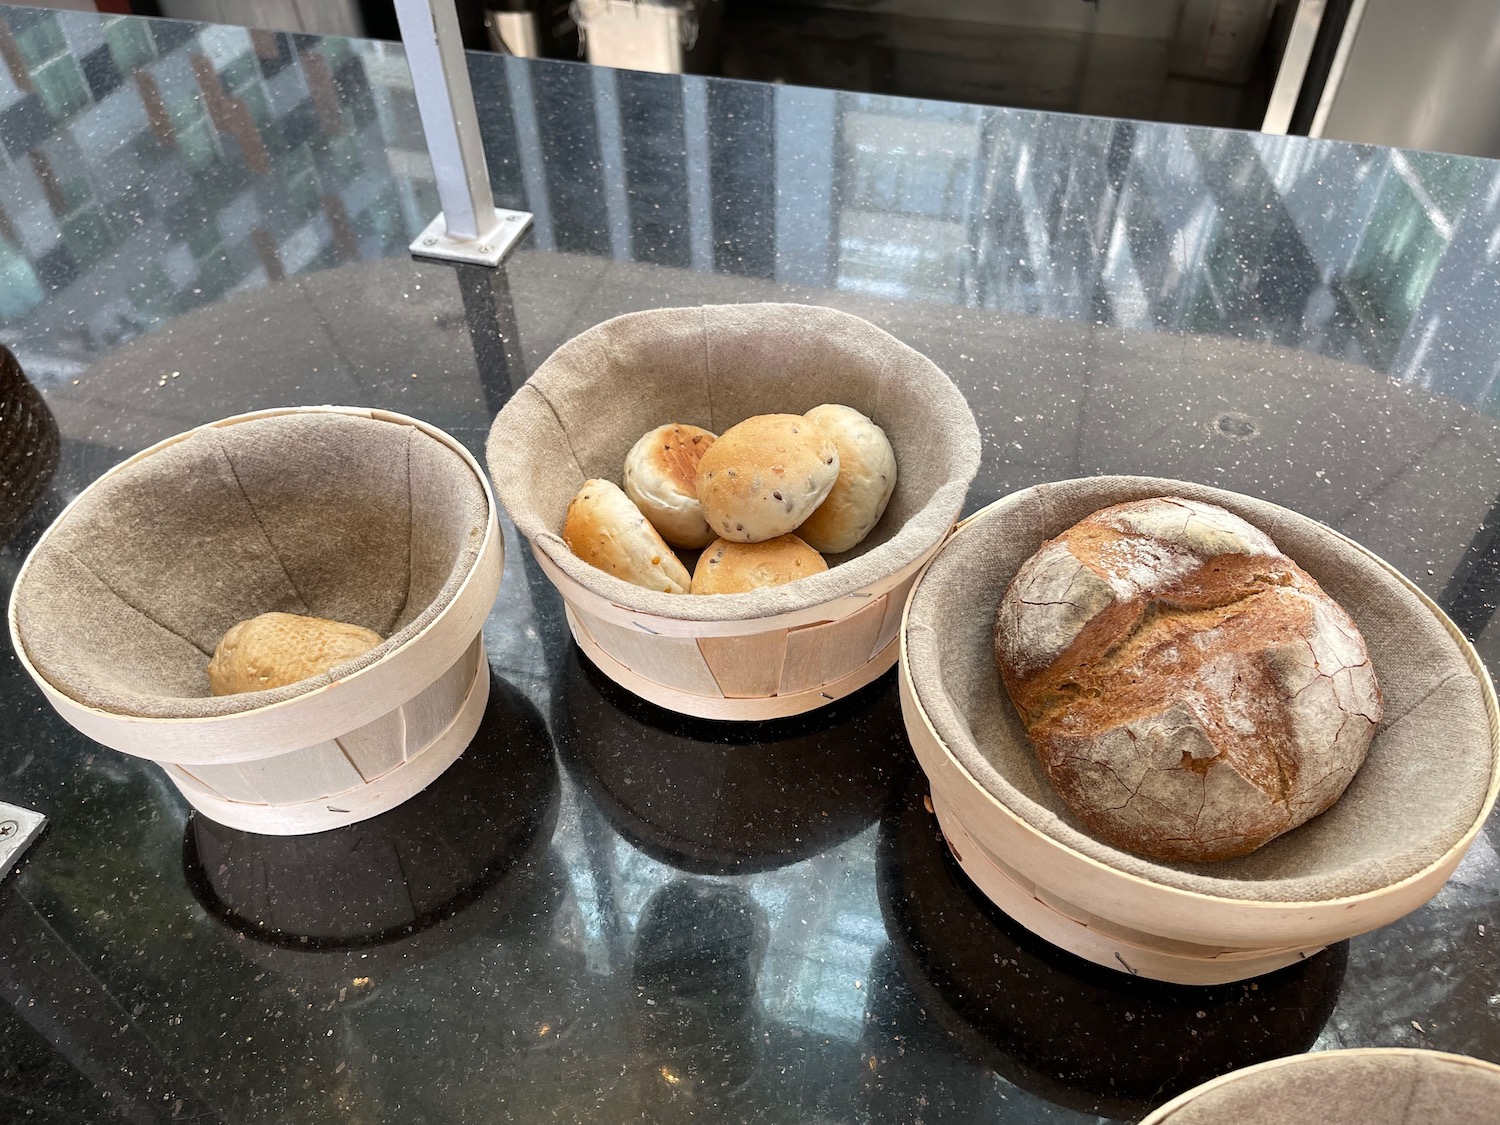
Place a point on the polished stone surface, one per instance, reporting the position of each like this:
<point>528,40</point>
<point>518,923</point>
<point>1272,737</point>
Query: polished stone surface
<point>604,911</point>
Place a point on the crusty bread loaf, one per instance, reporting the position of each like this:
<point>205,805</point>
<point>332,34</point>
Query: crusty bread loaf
<point>605,529</point>
<point>763,477</point>
<point>1191,692</point>
<point>661,476</point>
<point>276,649</point>
<point>733,568</point>
<point>867,476</point>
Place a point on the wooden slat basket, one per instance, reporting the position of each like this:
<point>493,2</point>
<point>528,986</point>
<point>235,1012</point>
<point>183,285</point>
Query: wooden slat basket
<point>768,653</point>
<point>1194,924</point>
<point>305,510</point>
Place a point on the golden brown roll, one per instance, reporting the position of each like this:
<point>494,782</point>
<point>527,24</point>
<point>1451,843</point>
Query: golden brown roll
<point>661,476</point>
<point>605,529</point>
<point>1191,692</point>
<point>734,568</point>
<point>867,476</point>
<point>763,477</point>
<point>276,649</point>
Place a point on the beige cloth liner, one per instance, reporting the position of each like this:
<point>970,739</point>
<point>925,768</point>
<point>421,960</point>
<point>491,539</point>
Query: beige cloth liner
<point>1419,791</point>
<point>333,515</point>
<point>1353,1088</point>
<point>583,409</point>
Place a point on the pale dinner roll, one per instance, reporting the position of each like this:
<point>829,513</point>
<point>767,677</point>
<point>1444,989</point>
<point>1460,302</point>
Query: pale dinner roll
<point>661,476</point>
<point>763,477</point>
<point>867,476</point>
<point>1191,692</point>
<point>605,529</point>
<point>276,649</point>
<point>733,568</point>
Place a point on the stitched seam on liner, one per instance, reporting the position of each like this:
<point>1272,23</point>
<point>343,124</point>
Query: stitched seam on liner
<point>708,387</point>
<point>224,453</point>
<point>129,604</point>
<point>573,453</point>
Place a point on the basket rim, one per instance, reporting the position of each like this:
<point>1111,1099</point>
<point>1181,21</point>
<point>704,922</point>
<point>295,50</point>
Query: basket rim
<point>1163,1113</point>
<point>382,683</point>
<point>904,550</point>
<point>1443,864</point>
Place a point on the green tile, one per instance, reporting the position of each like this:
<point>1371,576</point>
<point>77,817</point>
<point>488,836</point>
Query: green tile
<point>240,73</point>
<point>187,111</point>
<point>20,291</point>
<point>198,146</point>
<point>76,193</point>
<point>129,44</point>
<point>88,236</point>
<point>260,109</point>
<point>41,41</point>
<point>61,87</point>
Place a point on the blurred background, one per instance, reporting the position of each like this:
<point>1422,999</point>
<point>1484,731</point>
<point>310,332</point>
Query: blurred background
<point>1386,72</point>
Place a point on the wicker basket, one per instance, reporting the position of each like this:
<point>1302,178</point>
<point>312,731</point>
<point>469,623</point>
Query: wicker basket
<point>1365,1086</point>
<point>768,653</point>
<point>1334,877</point>
<point>307,510</point>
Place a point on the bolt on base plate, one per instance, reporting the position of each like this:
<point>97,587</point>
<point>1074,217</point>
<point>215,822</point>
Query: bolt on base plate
<point>18,827</point>
<point>489,251</point>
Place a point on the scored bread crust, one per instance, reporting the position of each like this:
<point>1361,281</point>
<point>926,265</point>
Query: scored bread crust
<point>764,476</point>
<point>1191,693</point>
<point>735,568</point>
<point>661,476</point>
<point>867,477</point>
<point>605,529</point>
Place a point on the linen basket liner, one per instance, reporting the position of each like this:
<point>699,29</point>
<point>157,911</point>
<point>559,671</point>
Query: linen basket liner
<point>579,414</point>
<point>1420,789</point>
<point>1342,1086</point>
<point>354,519</point>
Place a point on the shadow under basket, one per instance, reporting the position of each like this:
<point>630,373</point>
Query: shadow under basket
<point>363,516</point>
<point>773,652</point>
<point>1381,851</point>
<point>1364,1086</point>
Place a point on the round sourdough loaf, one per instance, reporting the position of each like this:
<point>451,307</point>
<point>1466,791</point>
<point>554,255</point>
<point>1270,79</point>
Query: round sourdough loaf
<point>1191,693</point>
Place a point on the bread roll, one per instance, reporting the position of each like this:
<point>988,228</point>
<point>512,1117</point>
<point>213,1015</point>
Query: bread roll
<point>765,476</point>
<point>661,476</point>
<point>733,568</point>
<point>867,475</point>
<point>276,649</point>
<point>605,529</point>
<point>1191,693</point>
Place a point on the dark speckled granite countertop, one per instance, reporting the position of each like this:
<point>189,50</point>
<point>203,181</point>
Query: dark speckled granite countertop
<point>604,912</point>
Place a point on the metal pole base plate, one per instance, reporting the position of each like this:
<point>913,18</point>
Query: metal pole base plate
<point>490,250</point>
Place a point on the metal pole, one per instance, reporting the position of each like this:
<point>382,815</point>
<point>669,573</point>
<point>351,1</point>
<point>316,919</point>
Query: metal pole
<point>470,228</point>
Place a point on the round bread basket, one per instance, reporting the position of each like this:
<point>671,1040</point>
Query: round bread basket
<point>771,652</point>
<point>1364,1086</point>
<point>1381,851</point>
<point>363,516</point>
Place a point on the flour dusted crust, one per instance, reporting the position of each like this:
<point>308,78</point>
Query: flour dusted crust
<point>277,649</point>
<point>605,529</point>
<point>735,568</point>
<point>1191,692</point>
<point>763,477</point>
<point>867,477</point>
<point>661,476</point>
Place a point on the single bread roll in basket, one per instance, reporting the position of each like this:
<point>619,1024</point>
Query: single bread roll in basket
<point>276,649</point>
<point>867,477</point>
<point>763,477</point>
<point>661,476</point>
<point>1190,692</point>
<point>605,529</point>
<point>734,568</point>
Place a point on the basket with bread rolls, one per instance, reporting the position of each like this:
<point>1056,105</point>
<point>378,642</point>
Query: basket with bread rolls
<point>734,500</point>
<point>1188,734</point>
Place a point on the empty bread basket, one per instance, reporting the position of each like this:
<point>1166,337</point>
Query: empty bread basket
<point>777,651</point>
<point>1382,850</point>
<point>362,516</point>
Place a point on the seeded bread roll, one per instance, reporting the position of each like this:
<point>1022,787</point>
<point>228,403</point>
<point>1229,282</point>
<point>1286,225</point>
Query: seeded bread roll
<point>867,476</point>
<point>276,649</point>
<point>733,568</point>
<point>661,476</point>
<point>763,477</point>
<point>1191,693</point>
<point>605,529</point>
